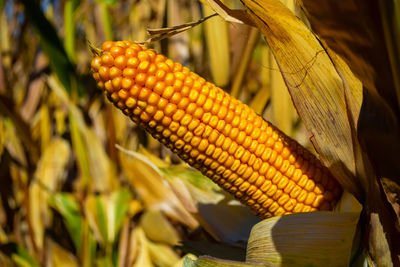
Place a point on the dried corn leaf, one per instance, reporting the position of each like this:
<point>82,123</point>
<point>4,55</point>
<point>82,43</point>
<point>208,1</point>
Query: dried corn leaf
<point>60,257</point>
<point>94,163</point>
<point>47,179</point>
<point>162,255</point>
<point>105,214</point>
<point>162,33</point>
<point>304,239</point>
<point>148,181</point>
<point>217,40</point>
<point>316,88</point>
<point>211,205</point>
<point>158,228</point>
<point>235,16</point>
<point>143,254</point>
<point>206,261</point>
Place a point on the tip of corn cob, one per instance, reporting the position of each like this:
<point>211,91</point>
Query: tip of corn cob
<point>214,132</point>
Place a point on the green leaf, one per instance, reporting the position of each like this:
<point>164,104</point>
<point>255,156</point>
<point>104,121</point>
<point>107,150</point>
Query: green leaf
<point>18,254</point>
<point>107,2</point>
<point>52,46</point>
<point>68,207</point>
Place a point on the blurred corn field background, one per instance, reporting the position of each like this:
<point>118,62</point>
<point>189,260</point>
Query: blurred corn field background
<point>81,185</point>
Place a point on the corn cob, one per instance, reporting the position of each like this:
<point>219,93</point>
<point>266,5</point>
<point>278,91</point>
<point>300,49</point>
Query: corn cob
<point>214,132</point>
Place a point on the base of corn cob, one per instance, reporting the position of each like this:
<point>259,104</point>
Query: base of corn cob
<point>214,132</point>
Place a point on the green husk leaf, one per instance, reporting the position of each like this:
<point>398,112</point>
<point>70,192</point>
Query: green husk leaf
<point>69,208</point>
<point>304,239</point>
<point>18,254</point>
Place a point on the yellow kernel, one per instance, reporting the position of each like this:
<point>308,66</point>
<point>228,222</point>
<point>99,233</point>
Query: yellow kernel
<point>132,62</point>
<point>120,62</point>
<point>246,155</point>
<point>267,203</point>
<point>178,115</point>
<point>303,180</point>
<point>235,165</point>
<point>130,102</point>
<point>203,145</point>
<point>183,103</point>
<point>213,121</point>
<point>107,60</point>
<point>195,141</point>
<point>107,45</point>
<point>144,94</point>
<point>193,95</point>
<point>114,72</point>
<point>306,209</point>
<point>166,92</point>
<point>220,140</point>
<point>302,196</point>
<point>283,199</point>
<point>126,83</point>
<point>193,124</point>
<point>199,130</point>
<point>151,81</point>
<point>104,73</point>
<point>283,182</point>
<point>108,86</point>
<point>309,186</point>
<point>181,131</point>
<point>318,201</point>
<point>290,185</point>
<point>169,79</point>
<point>187,137</point>
<point>198,113</point>
<point>179,144</point>
<point>209,150</point>
<point>229,161</point>
<point>242,169</point>
<point>295,192</point>
<point>247,142</point>
<point>213,136</point>
<point>232,148</point>
<point>223,157</point>
<point>144,117</point>
<point>274,206</point>
<point>140,79</point>
<point>298,207</point>
<point>116,51</point>
<point>129,73</point>
<point>170,109</point>
<point>186,119</point>
<point>234,133</point>
<point>249,171</point>
<point>191,108</point>
<point>153,99</point>
<point>151,109</point>
<point>244,186</point>
<point>174,126</point>
<point>122,94</point>
<point>166,121</point>
<point>96,76</point>
<point>217,153</point>
<point>143,56</point>
<point>310,198</point>
<point>159,115</point>
<point>270,173</point>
